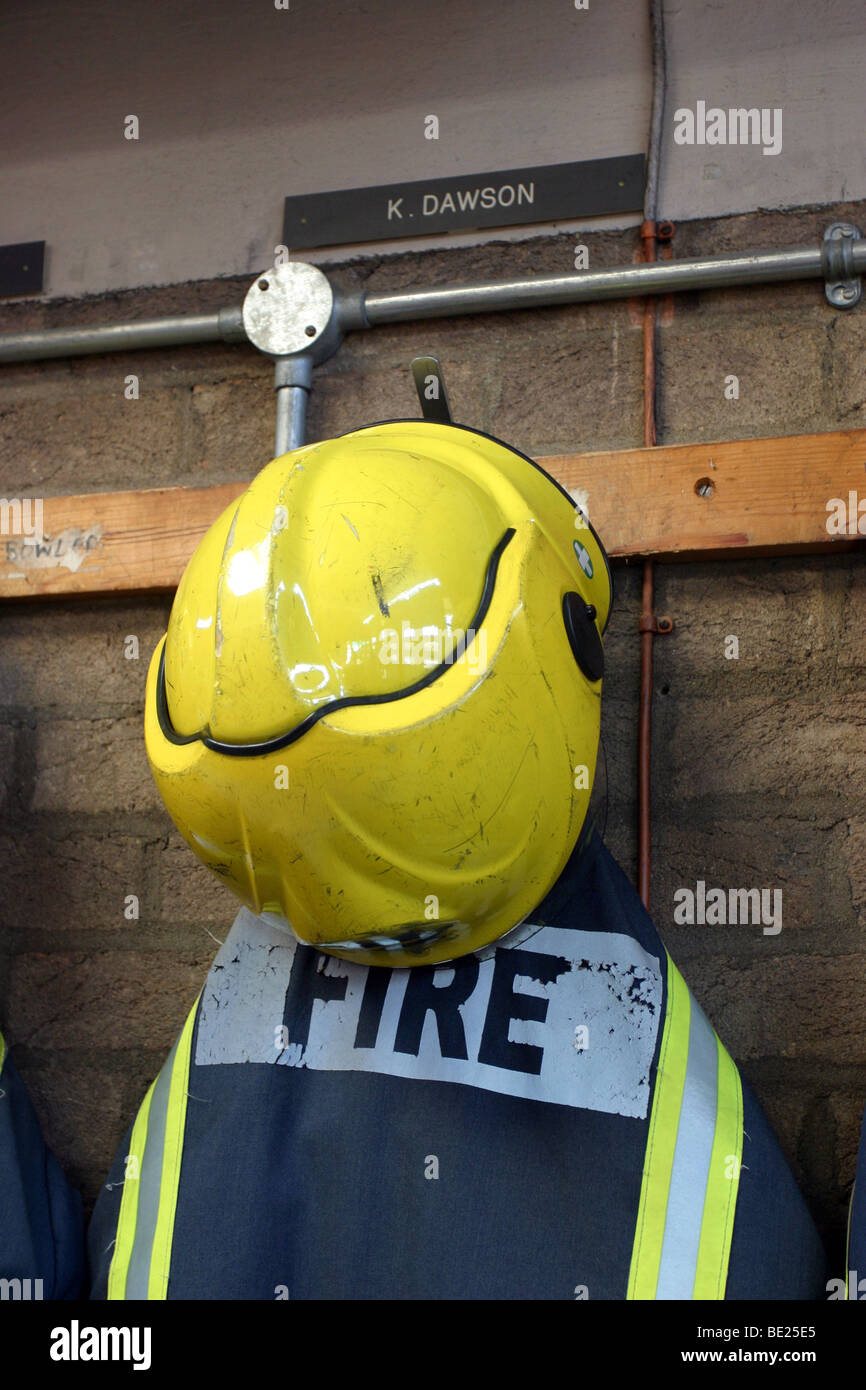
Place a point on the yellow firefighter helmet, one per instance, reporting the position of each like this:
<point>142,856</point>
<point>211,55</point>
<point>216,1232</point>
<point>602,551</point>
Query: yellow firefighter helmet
<point>376,709</point>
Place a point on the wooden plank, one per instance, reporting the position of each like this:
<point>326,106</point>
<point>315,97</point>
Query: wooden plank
<point>766,495</point>
<point>745,496</point>
<point>111,542</point>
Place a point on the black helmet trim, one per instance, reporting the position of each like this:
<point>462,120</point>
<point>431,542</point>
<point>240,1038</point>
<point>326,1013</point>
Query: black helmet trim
<point>254,750</point>
<point>494,439</point>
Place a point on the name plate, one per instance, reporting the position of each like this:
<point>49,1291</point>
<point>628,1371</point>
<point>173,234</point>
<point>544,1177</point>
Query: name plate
<point>511,197</point>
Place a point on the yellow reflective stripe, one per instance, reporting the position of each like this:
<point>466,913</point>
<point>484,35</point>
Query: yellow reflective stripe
<point>128,1215</point>
<point>2,1051</point>
<point>691,1172</point>
<point>661,1141</point>
<point>175,1124</point>
<point>848,1281</point>
<point>723,1183</point>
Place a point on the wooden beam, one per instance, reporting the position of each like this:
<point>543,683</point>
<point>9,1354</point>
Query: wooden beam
<point>740,497</point>
<point>111,542</point>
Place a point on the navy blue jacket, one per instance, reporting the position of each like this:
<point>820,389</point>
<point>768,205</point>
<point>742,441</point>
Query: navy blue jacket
<point>488,1129</point>
<point>41,1221</point>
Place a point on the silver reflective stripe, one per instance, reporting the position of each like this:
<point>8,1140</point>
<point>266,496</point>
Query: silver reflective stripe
<point>150,1180</point>
<point>691,1166</point>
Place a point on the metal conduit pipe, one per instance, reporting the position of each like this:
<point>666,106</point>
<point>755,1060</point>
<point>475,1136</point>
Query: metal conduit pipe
<point>841,259</point>
<point>620,282</point>
<point>650,232</point>
<point>293,378</point>
<point>291,419</point>
<point>224,326</point>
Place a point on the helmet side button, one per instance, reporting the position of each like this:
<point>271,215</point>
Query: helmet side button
<point>579,618</point>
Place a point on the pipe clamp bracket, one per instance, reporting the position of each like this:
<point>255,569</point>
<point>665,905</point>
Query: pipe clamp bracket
<point>841,283</point>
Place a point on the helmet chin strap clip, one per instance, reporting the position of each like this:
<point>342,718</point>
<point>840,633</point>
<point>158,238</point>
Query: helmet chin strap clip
<point>430,385</point>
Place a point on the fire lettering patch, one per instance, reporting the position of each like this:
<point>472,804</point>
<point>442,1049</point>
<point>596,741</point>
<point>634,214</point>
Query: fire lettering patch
<point>567,1017</point>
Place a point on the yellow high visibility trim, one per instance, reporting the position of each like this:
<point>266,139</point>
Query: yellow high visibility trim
<point>661,1141</point>
<point>144,1236</point>
<point>175,1124</point>
<point>723,1183</point>
<point>128,1215</point>
<point>685,1036</point>
<point>848,1270</point>
<point>2,1051</point>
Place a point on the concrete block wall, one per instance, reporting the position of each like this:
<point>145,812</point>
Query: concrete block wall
<point>756,762</point>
